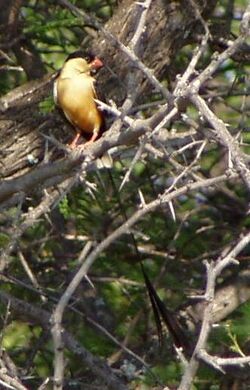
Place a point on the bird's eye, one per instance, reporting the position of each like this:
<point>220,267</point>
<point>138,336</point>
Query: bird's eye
<point>89,56</point>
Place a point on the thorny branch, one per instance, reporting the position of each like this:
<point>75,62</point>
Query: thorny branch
<point>214,270</point>
<point>68,171</point>
<point>123,229</point>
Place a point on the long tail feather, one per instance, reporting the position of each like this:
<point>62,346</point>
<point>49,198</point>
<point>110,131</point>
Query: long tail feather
<point>161,312</point>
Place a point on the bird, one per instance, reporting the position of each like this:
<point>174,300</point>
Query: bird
<point>74,92</point>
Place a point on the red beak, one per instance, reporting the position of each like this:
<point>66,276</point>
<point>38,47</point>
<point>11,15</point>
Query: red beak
<point>96,63</point>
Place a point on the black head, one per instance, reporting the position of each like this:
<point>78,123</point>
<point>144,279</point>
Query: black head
<point>87,55</point>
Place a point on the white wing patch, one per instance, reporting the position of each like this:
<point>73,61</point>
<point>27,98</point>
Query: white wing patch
<point>55,95</point>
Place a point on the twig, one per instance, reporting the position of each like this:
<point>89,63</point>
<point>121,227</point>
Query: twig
<point>225,138</point>
<point>32,217</point>
<point>218,60</point>
<point>30,275</point>
<point>213,271</point>
<point>9,382</point>
<point>218,362</point>
<point>136,158</point>
<point>135,41</point>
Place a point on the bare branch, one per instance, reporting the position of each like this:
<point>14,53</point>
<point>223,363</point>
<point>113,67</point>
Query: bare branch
<point>213,271</point>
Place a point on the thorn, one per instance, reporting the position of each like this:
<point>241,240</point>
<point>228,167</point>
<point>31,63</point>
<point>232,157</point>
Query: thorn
<point>89,281</point>
<point>125,179</point>
<point>171,207</point>
<point>142,200</point>
<point>230,164</point>
<point>141,4</point>
<point>91,188</point>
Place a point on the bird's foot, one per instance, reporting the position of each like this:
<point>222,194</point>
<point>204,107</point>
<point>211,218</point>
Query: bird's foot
<point>84,145</point>
<point>73,144</point>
